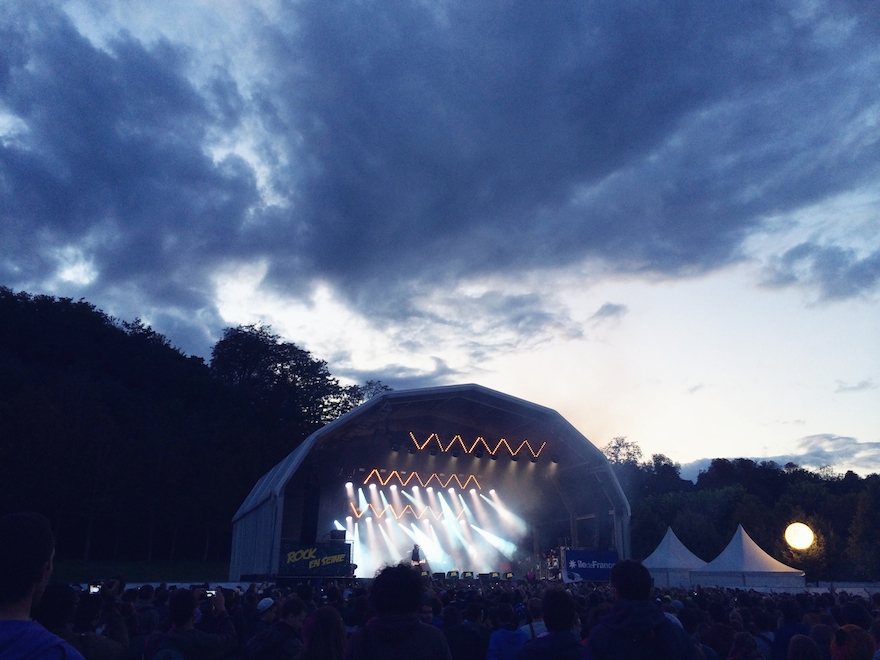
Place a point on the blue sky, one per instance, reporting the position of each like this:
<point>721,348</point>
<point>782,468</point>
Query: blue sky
<point>661,218</point>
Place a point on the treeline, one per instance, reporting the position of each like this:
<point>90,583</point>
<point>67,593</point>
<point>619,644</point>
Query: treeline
<point>135,450</point>
<point>762,496</point>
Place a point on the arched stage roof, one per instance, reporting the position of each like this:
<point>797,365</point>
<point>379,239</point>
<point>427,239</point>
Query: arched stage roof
<point>465,426</point>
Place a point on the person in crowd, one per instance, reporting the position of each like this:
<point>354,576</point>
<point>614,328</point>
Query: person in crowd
<point>324,634</point>
<point>506,642</point>
<point>183,638</point>
<point>429,611</point>
<point>260,620</point>
<point>56,612</point>
<point>535,626</point>
<point>396,633</point>
<point>720,633</point>
<point>689,617</point>
<point>636,627</point>
<point>146,612</point>
<point>822,634</point>
<point>875,635</point>
<point>283,640</point>
<point>463,637</point>
<point>27,548</point>
<point>475,618</point>
<point>743,647</point>
<point>851,643</point>
<point>560,641</point>
<point>790,627</point>
<point>801,647</point>
<point>765,630</point>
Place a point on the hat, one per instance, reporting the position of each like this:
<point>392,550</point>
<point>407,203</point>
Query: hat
<point>264,605</point>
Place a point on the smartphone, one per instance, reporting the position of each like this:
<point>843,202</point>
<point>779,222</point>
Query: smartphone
<point>211,593</point>
<point>94,588</point>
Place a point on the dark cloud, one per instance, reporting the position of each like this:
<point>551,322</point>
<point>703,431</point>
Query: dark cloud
<point>401,377</point>
<point>113,164</point>
<point>835,271</point>
<point>478,138</point>
<point>609,311</point>
<point>415,145</point>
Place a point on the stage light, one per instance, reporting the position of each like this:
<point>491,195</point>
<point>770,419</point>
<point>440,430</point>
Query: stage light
<point>393,487</point>
<point>493,457</point>
<point>456,445</point>
<point>514,458</point>
<point>554,458</point>
<point>372,486</point>
<point>473,491</point>
<point>415,489</point>
<point>452,490</point>
<point>424,482</point>
<point>456,452</point>
<point>348,484</point>
<point>395,447</point>
<point>348,518</point>
<point>534,459</point>
<point>799,536</point>
<point>412,450</point>
<point>430,489</point>
<point>492,492</point>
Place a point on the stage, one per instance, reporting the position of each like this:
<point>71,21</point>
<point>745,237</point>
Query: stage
<point>481,481</point>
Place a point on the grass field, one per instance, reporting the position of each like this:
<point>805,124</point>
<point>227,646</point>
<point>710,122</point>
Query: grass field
<point>82,572</point>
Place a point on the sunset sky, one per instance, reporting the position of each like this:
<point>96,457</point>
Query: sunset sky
<point>661,219</point>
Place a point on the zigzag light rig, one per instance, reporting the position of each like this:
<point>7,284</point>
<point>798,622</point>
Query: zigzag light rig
<point>405,481</point>
<point>380,513</point>
<point>478,441</point>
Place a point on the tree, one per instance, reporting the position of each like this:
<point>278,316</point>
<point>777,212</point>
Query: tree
<point>621,450</point>
<point>864,535</point>
<point>283,383</point>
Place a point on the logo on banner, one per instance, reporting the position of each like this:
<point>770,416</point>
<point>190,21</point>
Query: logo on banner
<point>583,565</point>
<point>323,558</point>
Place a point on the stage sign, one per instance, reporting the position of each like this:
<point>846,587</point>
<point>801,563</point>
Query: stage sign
<point>580,565</point>
<point>325,558</point>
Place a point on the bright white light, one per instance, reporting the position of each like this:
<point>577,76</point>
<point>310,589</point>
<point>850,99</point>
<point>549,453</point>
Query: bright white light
<point>430,489</point>
<point>348,518</point>
<point>473,491</point>
<point>492,492</point>
<point>799,536</point>
<point>348,484</point>
<point>393,487</point>
<point>452,490</point>
<point>415,489</point>
<point>339,525</point>
<point>372,486</point>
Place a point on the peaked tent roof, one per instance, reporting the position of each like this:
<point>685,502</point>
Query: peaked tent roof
<point>743,555</point>
<point>671,553</point>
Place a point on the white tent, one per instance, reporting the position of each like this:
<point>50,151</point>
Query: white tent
<point>744,564</point>
<point>671,562</point>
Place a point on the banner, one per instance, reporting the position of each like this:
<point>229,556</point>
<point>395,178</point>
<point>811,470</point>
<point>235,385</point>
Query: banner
<point>581,565</point>
<point>325,558</point>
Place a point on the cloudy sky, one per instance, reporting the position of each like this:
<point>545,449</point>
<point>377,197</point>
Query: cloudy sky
<point>660,218</point>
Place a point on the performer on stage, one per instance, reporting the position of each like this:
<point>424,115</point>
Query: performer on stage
<point>416,558</point>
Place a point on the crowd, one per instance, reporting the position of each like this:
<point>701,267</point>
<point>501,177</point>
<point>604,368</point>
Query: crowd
<point>399,615</point>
